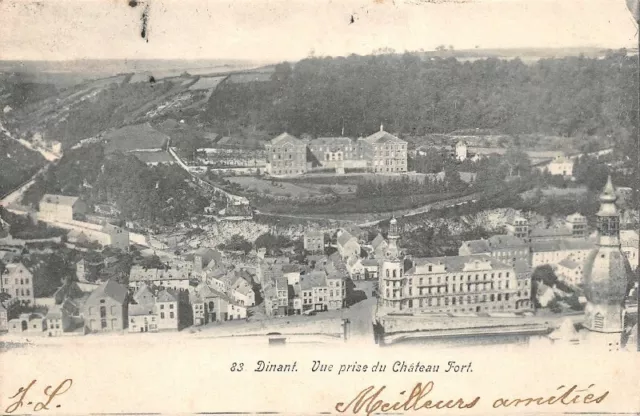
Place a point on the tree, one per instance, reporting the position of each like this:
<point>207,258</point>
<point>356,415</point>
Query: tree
<point>238,243</point>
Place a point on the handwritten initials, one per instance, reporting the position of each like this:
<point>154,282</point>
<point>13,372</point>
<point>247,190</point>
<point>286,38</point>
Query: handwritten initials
<point>50,393</point>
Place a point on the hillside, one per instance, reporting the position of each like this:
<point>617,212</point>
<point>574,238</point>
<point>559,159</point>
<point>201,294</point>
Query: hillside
<point>149,195</point>
<point>17,163</point>
<point>568,97</point>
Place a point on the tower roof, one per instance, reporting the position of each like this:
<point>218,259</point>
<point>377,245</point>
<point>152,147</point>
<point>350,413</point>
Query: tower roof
<point>608,199</point>
<point>606,269</point>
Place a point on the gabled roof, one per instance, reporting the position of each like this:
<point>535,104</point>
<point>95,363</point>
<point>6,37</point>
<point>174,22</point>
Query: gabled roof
<point>207,254</point>
<point>166,295</point>
<point>55,312</point>
<point>313,279</point>
<point>143,295</point>
<point>345,237</point>
<point>383,137</point>
<point>477,246</point>
<point>110,289</point>
<point>286,138</point>
<point>141,310</point>
<point>377,241</point>
<point>59,199</point>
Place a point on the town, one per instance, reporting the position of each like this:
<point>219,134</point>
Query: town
<point>170,224</point>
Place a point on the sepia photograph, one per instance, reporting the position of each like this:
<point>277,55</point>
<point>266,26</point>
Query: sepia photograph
<point>301,197</point>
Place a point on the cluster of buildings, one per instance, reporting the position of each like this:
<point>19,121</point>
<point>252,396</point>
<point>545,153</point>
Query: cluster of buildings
<point>294,289</point>
<point>565,247</point>
<point>380,152</point>
<point>197,289</point>
<point>456,284</point>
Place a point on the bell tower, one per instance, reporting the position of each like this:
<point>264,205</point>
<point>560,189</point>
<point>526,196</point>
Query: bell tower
<point>391,273</point>
<point>606,275</point>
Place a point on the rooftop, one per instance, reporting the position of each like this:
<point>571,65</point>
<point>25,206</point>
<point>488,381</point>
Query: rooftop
<point>59,199</point>
<point>457,263</point>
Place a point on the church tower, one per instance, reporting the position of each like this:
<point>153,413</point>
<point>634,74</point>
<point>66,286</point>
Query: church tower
<point>606,276</point>
<point>391,273</point>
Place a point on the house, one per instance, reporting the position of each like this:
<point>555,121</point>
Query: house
<point>355,268</point>
<point>560,165</point>
<point>554,251</point>
<point>314,241</point>
<point>29,323</point>
<point>17,281</point>
<point>337,291</point>
<point>370,268</point>
<point>518,226</point>
<point>219,307</point>
<point>242,291</point>
<point>379,246</point>
<point>461,151</point>
<point>295,299</point>
<point>117,237</point>
<point>570,271</point>
<point>348,245</point>
<point>144,295</point>
<point>58,321</point>
<point>282,290</point>
<point>4,318</point>
<point>292,273</point>
<point>61,208</point>
<point>106,308</point>
<point>142,318</point>
<point>199,308</point>
<point>176,277</point>
<point>271,301</point>
<point>504,248</point>
<point>205,258</point>
<point>166,307</point>
<point>315,292</point>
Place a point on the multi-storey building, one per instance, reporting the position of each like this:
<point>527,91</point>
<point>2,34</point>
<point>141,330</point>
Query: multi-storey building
<point>314,241</point>
<point>504,248</point>
<point>452,284</point>
<point>17,281</point>
<point>286,155</point>
<point>106,308</point>
<point>384,152</point>
<point>380,152</point>
<point>472,283</point>
<point>518,227</point>
<point>553,252</point>
<point>61,208</point>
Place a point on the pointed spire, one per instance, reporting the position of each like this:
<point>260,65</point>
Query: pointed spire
<point>608,193</point>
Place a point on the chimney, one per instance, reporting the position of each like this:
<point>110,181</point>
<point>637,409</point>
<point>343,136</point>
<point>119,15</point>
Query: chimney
<point>381,127</point>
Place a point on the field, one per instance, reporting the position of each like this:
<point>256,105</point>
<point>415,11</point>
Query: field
<point>294,189</point>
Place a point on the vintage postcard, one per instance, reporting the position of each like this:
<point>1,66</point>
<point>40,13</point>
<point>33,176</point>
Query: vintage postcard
<point>305,207</point>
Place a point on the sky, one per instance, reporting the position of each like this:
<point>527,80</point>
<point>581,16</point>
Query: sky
<point>291,29</point>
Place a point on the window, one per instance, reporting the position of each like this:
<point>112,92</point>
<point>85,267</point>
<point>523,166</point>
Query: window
<point>161,315</point>
<point>171,306</point>
<point>171,315</point>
